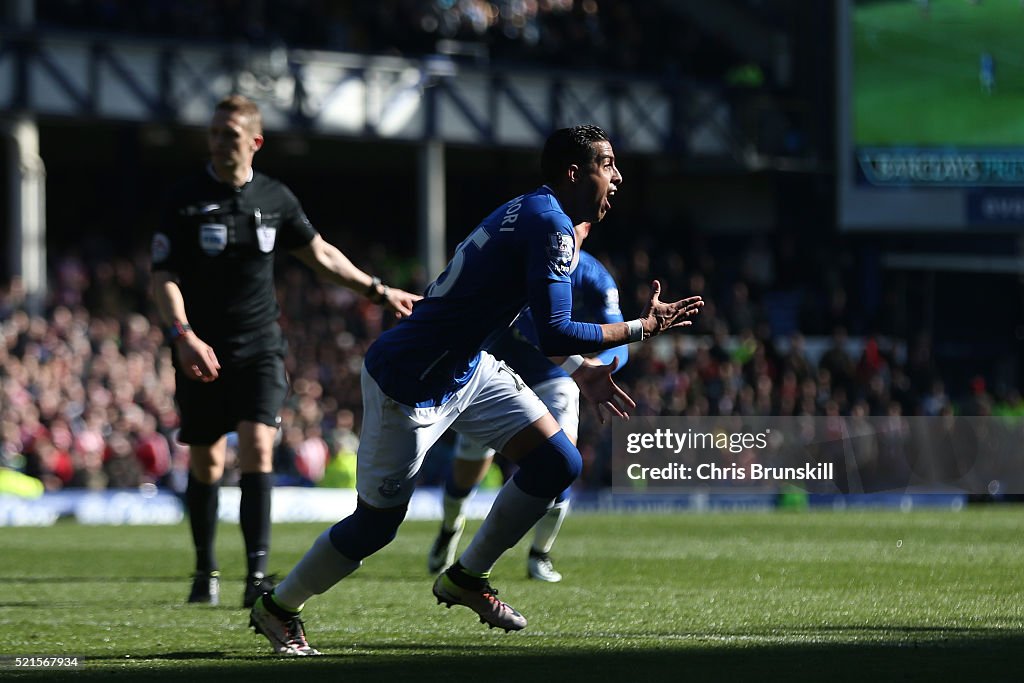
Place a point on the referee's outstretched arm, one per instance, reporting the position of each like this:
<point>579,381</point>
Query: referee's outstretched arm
<point>331,265</point>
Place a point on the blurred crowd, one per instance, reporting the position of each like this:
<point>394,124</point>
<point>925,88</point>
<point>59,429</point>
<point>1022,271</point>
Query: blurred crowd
<point>580,34</point>
<point>86,389</point>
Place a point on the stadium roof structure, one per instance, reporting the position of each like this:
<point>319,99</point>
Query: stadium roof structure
<point>435,98</point>
<point>428,102</point>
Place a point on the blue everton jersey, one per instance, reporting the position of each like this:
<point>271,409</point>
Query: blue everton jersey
<point>595,299</point>
<point>519,255</point>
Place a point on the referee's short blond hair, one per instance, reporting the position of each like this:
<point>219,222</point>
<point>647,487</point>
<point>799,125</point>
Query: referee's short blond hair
<point>243,106</point>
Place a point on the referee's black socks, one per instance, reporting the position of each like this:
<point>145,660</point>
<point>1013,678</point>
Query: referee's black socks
<point>201,501</point>
<point>254,515</point>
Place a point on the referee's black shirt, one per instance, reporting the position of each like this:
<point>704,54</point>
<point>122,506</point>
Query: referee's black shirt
<point>220,241</point>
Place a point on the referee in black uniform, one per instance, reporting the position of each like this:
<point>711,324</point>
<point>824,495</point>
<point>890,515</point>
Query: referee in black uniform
<point>213,286</point>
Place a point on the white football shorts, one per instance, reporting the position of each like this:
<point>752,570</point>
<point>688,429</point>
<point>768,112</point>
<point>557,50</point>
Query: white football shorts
<point>493,407</point>
<point>562,397</point>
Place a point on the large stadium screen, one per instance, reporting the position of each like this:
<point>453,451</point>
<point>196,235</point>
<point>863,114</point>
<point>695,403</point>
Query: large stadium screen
<point>931,114</point>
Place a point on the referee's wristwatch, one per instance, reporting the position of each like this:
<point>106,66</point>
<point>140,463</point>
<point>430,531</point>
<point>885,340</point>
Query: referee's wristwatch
<point>176,330</point>
<point>377,291</point>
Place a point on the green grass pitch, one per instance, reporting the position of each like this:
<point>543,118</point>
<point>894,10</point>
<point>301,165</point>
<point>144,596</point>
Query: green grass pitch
<point>916,73</point>
<point>786,596</point>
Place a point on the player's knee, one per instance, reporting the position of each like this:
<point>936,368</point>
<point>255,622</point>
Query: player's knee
<point>366,530</point>
<point>465,475</point>
<point>457,489</point>
<point>550,468</point>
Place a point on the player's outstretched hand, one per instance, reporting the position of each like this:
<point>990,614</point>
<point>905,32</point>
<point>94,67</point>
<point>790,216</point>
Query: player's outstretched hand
<point>197,359</point>
<point>597,386</point>
<point>659,316</point>
<point>401,301</point>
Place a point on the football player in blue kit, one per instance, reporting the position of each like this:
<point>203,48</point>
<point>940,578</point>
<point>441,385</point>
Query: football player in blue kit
<point>596,299</point>
<point>428,373</point>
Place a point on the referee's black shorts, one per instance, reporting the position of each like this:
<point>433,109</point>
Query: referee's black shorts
<point>250,390</point>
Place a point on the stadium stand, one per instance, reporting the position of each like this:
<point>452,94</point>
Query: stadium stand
<point>590,35</point>
<point>87,388</point>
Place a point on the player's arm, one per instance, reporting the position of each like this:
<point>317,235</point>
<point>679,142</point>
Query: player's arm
<point>549,294</point>
<point>550,299</point>
<point>564,336</point>
<point>331,265</point>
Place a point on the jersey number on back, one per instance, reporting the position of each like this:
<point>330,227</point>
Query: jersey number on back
<point>446,280</point>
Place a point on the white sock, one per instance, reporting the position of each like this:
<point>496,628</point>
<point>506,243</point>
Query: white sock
<point>511,516</point>
<point>453,509</point>
<point>320,568</point>
<point>548,526</point>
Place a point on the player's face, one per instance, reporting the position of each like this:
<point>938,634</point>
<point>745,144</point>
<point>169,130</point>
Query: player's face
<point>232,140</point>
<point>601,180</point>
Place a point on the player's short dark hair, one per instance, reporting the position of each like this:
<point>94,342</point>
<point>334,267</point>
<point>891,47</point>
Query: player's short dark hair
<point>243,106</point>
<point>567,146</point>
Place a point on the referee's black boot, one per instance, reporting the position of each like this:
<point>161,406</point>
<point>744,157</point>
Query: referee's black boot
<point>205,588</point>
<point>255,586</point>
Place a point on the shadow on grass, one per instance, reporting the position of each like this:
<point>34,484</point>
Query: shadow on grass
<point>914,654</point>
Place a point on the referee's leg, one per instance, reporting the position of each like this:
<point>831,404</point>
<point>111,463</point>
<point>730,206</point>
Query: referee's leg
<point>255,459</point>
<point>206,467</point>
<point>257,392</point>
